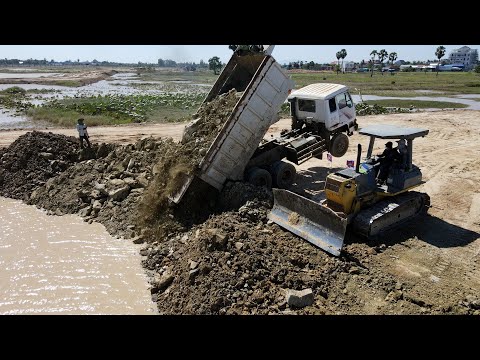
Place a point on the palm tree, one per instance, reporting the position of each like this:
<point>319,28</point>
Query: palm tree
<point>439,54</point>
<point>383,54</point>
<point>343,55</point>
<point>339,55</point>
<point>392,57</point>
<point>373,54</point>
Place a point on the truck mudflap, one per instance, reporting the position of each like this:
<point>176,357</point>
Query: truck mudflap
<point>310,220</point>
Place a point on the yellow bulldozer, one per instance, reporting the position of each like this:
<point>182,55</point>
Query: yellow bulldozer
<point>354,200</point>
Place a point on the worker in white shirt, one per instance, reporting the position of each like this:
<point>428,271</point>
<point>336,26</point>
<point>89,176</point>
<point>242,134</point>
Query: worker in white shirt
<point>82,133</point>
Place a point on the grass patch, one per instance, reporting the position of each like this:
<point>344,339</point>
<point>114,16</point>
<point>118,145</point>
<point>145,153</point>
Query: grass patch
<point>69,117</point>
<point>70,83</point>
<point>119,109</point>
<point>42,91</point>
<point>14,90</point>
<point>419,104</point>
<point>198,77</point>
<point>402,82</point>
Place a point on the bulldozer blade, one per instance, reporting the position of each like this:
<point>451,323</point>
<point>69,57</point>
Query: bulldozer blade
<point>308,219</point>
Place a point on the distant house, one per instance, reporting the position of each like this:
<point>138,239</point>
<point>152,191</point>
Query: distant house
<point>465,56</point>
<point>348,66</point>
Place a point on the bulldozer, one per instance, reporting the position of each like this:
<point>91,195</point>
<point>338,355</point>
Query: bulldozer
<point>354,201</point>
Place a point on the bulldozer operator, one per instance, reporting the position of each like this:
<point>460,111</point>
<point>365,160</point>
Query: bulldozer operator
<point>386,159</point>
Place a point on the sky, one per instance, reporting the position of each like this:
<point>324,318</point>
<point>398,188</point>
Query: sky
<point>195,53</point>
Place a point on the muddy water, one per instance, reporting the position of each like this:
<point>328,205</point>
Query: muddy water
<point>62,265</point>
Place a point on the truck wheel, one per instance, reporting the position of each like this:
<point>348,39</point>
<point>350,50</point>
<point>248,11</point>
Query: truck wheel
<point>283,174</point>
<point>339,145</point>
<point>259,177</point>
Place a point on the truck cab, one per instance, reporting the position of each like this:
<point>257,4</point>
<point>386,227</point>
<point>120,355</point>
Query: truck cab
<point>326,109</point>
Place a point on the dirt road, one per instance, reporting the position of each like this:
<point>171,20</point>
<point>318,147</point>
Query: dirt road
<point>436,258</point>
<point>125,134</point>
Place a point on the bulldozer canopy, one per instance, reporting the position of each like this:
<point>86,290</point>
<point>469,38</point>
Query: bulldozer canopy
<point>393,132</point>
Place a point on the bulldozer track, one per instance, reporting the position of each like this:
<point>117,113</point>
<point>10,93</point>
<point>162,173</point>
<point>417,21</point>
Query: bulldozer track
<point>392,207</point>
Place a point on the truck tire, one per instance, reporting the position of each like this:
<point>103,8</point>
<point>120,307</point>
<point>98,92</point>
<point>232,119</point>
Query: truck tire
<point>339,145</point>
<point>283,174</point>
<point>259,177</point>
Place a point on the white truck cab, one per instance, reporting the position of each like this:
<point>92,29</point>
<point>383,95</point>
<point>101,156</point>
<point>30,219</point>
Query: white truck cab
<point>327,109</point>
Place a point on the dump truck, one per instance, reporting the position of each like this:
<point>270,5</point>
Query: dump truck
<point>354,201</point>
<point>238,153</point>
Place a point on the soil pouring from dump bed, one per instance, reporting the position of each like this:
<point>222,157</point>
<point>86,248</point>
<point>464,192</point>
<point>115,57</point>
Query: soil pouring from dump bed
<point>177,162</point>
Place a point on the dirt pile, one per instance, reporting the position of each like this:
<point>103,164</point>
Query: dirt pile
<point>238,262</point>
<point>33,159</point>
<point>106,189</point>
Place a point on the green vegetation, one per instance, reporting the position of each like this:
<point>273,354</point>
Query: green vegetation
<point>388,85</point>
<point>363,108</point>
<point>197,77</point>
<point>119,109</point>
<point>439,53</point>
<point>14,90</point>
<point>215,64</point>
<point>14,98</point>
<point>64,117</point>
<point>419,104</point>
<point>41,91</point>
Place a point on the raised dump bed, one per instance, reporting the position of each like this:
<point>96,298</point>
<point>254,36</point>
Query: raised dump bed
<point>265,86</point>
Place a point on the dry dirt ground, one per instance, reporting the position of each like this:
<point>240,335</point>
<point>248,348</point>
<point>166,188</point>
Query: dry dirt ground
<point>434,261</point>
<point>83,77</point>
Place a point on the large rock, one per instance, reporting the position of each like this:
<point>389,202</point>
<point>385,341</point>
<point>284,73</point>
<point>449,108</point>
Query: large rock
<point>190,128</point>
<point>299,299</point>
<point>116,182</point>
<point>119,194</point>
<point>160,283</point>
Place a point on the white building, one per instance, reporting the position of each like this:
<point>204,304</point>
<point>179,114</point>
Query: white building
<point>348,66</point>
<point>466,56</point>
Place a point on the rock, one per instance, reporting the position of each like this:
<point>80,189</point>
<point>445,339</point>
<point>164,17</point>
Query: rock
<point>193,264</point>
<point>218,240</point>
<point>160,283</point>
<point>99,187</point>
<point>85,211</point>
<point>138,239</point>
<point>144,252</point>
<point>398,285</point>
<point>192,274</point>
<point>126,162</point>
<point>131,182</point>
<point>58,212</point>
<point>142,181</point>
<point>473,302</point>
<point>97,194</point>
<point>102,150</point>
<point>116,182</point>
<point>354,270</point>
<point>119,194</point>
<point>394,296</point>
<point>50,184</point>
<point>157,169</point>
<point>97,205</point>
<point>189,129</point>
<point>46,155</point>
<point>131,165</point>
<point>184,239</point>
<point>238,245</point>
<point>299,299</point>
